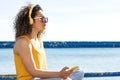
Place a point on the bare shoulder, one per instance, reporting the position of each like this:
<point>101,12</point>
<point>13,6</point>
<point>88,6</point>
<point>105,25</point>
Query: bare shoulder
<point>21,44</point>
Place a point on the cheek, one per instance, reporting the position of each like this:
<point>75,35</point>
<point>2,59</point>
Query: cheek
<point>41,27</point>
<point>38,24</point>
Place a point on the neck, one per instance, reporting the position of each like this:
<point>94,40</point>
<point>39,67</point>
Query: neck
<point>33,37</point>
<point>33,34</point>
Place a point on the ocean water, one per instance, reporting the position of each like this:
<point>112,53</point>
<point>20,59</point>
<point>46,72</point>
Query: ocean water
<point>88,59</point>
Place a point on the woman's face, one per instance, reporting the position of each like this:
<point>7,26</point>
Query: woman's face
<point>39,21</point>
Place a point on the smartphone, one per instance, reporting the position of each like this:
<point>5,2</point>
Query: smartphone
<point>73,68</point>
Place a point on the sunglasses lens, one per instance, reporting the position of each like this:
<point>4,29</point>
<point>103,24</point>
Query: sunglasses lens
<point>45,19</point>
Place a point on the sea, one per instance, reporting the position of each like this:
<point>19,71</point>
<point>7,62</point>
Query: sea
<point>88,59</point>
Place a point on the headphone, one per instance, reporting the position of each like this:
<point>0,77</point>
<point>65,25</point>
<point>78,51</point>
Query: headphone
<point>30,18</point>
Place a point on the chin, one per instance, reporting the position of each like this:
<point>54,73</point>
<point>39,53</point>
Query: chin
<point>42,31</point>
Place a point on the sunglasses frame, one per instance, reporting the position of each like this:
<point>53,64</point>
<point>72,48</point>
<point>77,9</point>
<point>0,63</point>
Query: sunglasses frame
<point>43,18</point>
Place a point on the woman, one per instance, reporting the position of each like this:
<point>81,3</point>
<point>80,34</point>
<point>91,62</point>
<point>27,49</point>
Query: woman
<point>29,54</point>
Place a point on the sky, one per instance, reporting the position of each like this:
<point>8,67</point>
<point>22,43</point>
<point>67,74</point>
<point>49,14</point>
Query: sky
<point>69,20</point>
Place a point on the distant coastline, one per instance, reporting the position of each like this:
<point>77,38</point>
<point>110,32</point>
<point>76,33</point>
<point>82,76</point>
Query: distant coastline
<point>70,44</point>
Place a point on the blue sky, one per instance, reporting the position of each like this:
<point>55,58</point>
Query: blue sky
<point>69,20</point>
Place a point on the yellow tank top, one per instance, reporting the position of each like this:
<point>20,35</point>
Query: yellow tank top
<point>39,58</point>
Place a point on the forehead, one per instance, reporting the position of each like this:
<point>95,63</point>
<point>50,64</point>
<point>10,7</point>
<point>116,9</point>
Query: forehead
<point>39,13</point>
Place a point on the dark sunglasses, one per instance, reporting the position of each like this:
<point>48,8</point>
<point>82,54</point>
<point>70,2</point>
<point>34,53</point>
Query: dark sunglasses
<point>44,19</point>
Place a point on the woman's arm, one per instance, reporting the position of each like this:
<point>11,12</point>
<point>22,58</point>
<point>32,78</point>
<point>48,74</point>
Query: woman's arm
<point>24,50</point>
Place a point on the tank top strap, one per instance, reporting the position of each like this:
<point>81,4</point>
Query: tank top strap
<point>41,43</point>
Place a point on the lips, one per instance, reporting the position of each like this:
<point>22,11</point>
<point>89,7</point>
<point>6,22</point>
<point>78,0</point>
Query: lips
<point>44,26</point>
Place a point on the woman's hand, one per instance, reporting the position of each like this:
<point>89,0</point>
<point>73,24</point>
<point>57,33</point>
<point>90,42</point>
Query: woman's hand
<point>64,73</point>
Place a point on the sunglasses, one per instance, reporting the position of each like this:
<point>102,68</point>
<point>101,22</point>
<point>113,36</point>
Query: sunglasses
<point>44,19</point>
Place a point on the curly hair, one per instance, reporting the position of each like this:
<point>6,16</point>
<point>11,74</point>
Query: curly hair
<point>21,22</point>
